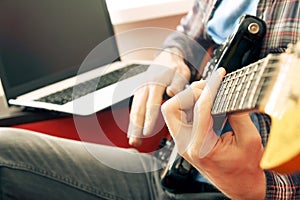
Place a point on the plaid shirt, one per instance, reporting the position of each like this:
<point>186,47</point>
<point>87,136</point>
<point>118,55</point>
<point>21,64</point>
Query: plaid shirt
<point>283,27</point>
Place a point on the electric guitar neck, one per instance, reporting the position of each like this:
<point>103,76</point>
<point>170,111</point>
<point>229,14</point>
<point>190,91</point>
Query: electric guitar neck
<point>268,83</point>
<point>270,86</point>
<point>247,88</point>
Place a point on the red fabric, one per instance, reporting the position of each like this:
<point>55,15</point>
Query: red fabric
<point>106,127</point>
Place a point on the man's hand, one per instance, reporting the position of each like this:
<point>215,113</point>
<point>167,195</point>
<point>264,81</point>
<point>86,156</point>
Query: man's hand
<point>169,74</point>
<point>231,161</point>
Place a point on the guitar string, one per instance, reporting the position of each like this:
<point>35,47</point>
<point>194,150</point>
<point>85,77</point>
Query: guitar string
<point>236,86</point>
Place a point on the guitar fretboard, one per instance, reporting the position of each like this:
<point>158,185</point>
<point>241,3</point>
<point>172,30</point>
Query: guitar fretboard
<point>243,89</point>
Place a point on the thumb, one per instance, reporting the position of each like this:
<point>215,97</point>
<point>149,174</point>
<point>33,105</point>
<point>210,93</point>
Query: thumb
<point>244,129</point>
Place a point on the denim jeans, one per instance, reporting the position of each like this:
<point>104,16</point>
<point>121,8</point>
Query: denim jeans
<point>38,166</point>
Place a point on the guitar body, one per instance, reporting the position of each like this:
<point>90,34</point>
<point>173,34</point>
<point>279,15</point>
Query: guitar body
<point>282,153</point>
<point>282,102</point>
<point>240,49</point>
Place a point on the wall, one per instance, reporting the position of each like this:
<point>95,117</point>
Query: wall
<point>157,18</point>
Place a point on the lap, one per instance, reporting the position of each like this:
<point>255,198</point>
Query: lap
<point>38,166</point>
<point>94,169</point>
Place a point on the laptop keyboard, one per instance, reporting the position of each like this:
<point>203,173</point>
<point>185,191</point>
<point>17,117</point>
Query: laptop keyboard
<point>82,89</point>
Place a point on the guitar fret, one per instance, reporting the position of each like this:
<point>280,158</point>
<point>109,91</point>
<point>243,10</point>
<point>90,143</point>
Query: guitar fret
<point>217,100</point>
<point>259,92</point>
<point>233,91</point>
<point>218,106</point>
<point>228,93</point>
<point>250,78</point>
<point>256,76</point>
<point>243,89</point>
<point>237,90</point>
<point>270,67</point>
<point>258,83</point>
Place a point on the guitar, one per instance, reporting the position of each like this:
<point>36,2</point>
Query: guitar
<point>241,48</point>
<point>270,86</point>
<point>278,95</point>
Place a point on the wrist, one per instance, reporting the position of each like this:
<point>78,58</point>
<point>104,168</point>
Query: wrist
<point>179,54</point>
<point>255,190</point>
<point>171,57</point>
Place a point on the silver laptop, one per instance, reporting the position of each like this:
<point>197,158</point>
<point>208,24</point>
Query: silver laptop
<point>47,47</point>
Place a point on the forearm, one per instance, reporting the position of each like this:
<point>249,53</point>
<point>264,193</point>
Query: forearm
<point>193,51</point>
<point>191,37</point>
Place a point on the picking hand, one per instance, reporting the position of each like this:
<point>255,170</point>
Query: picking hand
<point>231,161</point>
<point>167,73</point>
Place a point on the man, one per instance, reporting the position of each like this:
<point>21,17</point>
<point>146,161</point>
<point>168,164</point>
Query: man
<point>279,34</point>
<point>35,166</point>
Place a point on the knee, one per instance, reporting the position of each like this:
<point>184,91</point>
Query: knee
<point>13,137</point>
<point>15,144</point>
<point>10,133</point>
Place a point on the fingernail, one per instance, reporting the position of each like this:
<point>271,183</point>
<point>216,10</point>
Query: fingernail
<point>131,140</point>
<point>135,141</point>
<point>221,71</point>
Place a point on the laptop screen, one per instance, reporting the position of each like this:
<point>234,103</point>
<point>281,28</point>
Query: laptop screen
<point>44,41</point>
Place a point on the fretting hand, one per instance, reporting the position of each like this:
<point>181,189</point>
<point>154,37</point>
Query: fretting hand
<point>231,161</point>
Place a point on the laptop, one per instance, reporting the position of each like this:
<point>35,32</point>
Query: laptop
<point>61,55</point>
